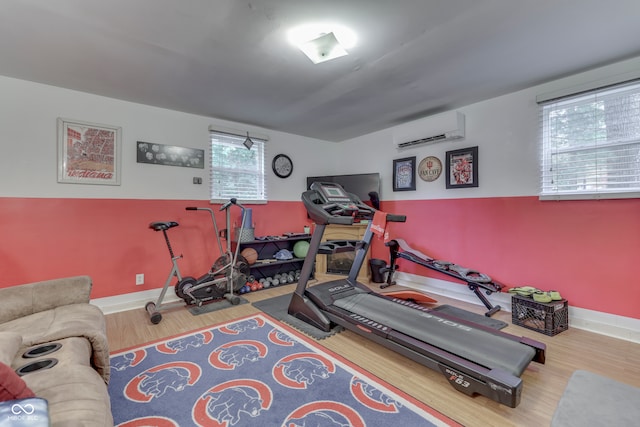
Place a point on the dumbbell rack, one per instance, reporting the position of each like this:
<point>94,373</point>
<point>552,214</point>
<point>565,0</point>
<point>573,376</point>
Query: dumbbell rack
<point>267,266</point>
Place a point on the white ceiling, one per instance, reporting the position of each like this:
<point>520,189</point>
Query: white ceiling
<point>230,59</point>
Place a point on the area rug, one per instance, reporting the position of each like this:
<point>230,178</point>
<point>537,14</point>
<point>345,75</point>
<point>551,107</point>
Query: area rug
<point>249,372</point>
<point>593,400</point>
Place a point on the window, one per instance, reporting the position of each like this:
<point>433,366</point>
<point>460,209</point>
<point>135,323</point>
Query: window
<point>591,144</point>
<point>237,172</point>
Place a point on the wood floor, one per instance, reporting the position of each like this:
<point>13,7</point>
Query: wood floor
<point>543,384</point>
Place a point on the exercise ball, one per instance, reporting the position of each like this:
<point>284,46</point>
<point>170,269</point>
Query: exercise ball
<point>250,255</point>
<point>301,248</point>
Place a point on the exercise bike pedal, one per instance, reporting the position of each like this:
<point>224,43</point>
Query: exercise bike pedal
<point>182,287</point>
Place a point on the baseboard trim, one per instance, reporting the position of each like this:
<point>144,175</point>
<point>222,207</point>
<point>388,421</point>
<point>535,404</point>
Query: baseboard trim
<point>625,328</point>
<point>612,325</point>
<point>133,300</point>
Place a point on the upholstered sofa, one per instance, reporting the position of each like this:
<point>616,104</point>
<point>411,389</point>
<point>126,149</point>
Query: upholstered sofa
<point>53,345</point>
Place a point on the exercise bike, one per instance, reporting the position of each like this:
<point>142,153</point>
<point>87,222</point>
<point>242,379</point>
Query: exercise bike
<point>227,275</point>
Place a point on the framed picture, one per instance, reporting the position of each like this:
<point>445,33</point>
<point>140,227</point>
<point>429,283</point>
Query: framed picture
<point>169,155</point>
<point>88,153</point>
<point>462,168</point>
<point>404,174</point>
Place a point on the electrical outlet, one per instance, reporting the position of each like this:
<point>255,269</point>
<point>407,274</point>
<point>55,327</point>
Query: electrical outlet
<point>140,279</point>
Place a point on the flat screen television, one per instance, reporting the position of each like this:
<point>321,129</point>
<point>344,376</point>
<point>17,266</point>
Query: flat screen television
<point>360,184</point>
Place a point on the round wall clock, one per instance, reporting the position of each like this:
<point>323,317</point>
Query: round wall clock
<point>282,165</point>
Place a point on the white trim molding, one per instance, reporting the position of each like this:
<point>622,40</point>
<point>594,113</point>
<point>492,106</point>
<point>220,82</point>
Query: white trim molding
<point>132,301</point>
<point>625,328</point>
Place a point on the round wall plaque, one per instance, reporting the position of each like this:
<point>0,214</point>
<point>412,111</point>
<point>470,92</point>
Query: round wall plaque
<point>430,168</point>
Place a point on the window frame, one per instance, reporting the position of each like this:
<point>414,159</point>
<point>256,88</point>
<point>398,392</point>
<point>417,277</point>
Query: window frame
<point>600,148</point>
<point>236,138</point>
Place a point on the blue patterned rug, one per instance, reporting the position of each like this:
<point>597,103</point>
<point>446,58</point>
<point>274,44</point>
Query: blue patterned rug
<point>254,371</point>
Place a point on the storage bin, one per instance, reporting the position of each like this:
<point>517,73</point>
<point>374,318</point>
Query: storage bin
<point>547,318</point>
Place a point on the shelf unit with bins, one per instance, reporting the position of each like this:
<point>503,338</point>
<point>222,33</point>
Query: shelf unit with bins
<point>267,265</point>
<point>353,232</point>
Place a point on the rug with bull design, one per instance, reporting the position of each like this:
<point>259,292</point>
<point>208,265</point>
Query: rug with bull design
<point>254,371</point>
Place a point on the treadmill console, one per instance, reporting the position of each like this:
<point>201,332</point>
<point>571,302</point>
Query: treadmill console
<point>329,203</point>
<point>331,192</point>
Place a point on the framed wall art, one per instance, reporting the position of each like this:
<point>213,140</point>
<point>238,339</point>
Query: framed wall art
<point>88,153</point>
<point>462,168</point>
<point>404,174</point>
<point>169,155</point>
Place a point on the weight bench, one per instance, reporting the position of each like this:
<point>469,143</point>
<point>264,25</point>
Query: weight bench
<point>476,281</point>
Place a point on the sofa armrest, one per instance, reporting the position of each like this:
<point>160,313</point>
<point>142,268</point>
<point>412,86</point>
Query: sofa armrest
<point>23,300</point>
<point>10,342</point>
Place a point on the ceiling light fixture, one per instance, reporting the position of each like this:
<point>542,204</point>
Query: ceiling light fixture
<point>323,48</point>
<point>322,41</point>
<point>248,142</point>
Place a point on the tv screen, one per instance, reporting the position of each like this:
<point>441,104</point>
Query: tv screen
<point>360,184</point>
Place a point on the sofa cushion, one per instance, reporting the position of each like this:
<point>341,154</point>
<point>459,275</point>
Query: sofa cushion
<point>10,342</point>
<point>11,385</point>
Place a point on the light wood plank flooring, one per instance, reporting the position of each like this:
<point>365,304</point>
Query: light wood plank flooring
<point>543,384</point>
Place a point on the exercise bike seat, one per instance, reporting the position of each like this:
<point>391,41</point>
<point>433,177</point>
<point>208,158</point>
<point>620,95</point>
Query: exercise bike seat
<point>163,225</point>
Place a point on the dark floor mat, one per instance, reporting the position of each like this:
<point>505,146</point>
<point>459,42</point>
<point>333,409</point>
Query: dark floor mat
<point>213,306</point>
<point>276,307</point>
<point>478,319</point>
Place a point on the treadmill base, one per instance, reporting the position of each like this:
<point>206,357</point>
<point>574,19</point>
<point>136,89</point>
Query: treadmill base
<point>326,304</point>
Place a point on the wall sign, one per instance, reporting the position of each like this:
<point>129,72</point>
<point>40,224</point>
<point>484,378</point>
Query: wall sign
<point>430,168</point>
<point>170,155</point>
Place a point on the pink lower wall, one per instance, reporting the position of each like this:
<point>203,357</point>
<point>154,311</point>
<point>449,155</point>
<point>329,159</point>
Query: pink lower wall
<point>109,239</point>
<point>584,249</point>
<point>587,250</point>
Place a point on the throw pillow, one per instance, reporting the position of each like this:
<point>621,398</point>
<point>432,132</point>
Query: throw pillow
<point>11,385</point>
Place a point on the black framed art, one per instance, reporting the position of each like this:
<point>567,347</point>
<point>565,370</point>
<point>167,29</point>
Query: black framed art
<point>169,155</point>
<point>404,174</point>
<point>462,168</point>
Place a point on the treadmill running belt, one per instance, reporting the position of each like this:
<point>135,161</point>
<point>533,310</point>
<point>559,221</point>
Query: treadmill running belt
<point>476,345</point>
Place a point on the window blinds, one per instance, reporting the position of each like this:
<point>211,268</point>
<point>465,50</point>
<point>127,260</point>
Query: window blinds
<point>237,172</point>
<point>590,144</point>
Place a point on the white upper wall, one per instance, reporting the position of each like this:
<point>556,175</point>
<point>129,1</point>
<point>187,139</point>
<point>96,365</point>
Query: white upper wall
<point>505,130</point>
<point>28,142</point>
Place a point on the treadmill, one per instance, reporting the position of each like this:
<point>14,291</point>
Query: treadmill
<point>474,359</point>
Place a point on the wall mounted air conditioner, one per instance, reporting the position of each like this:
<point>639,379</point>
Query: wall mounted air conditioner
<point>441,127</point>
